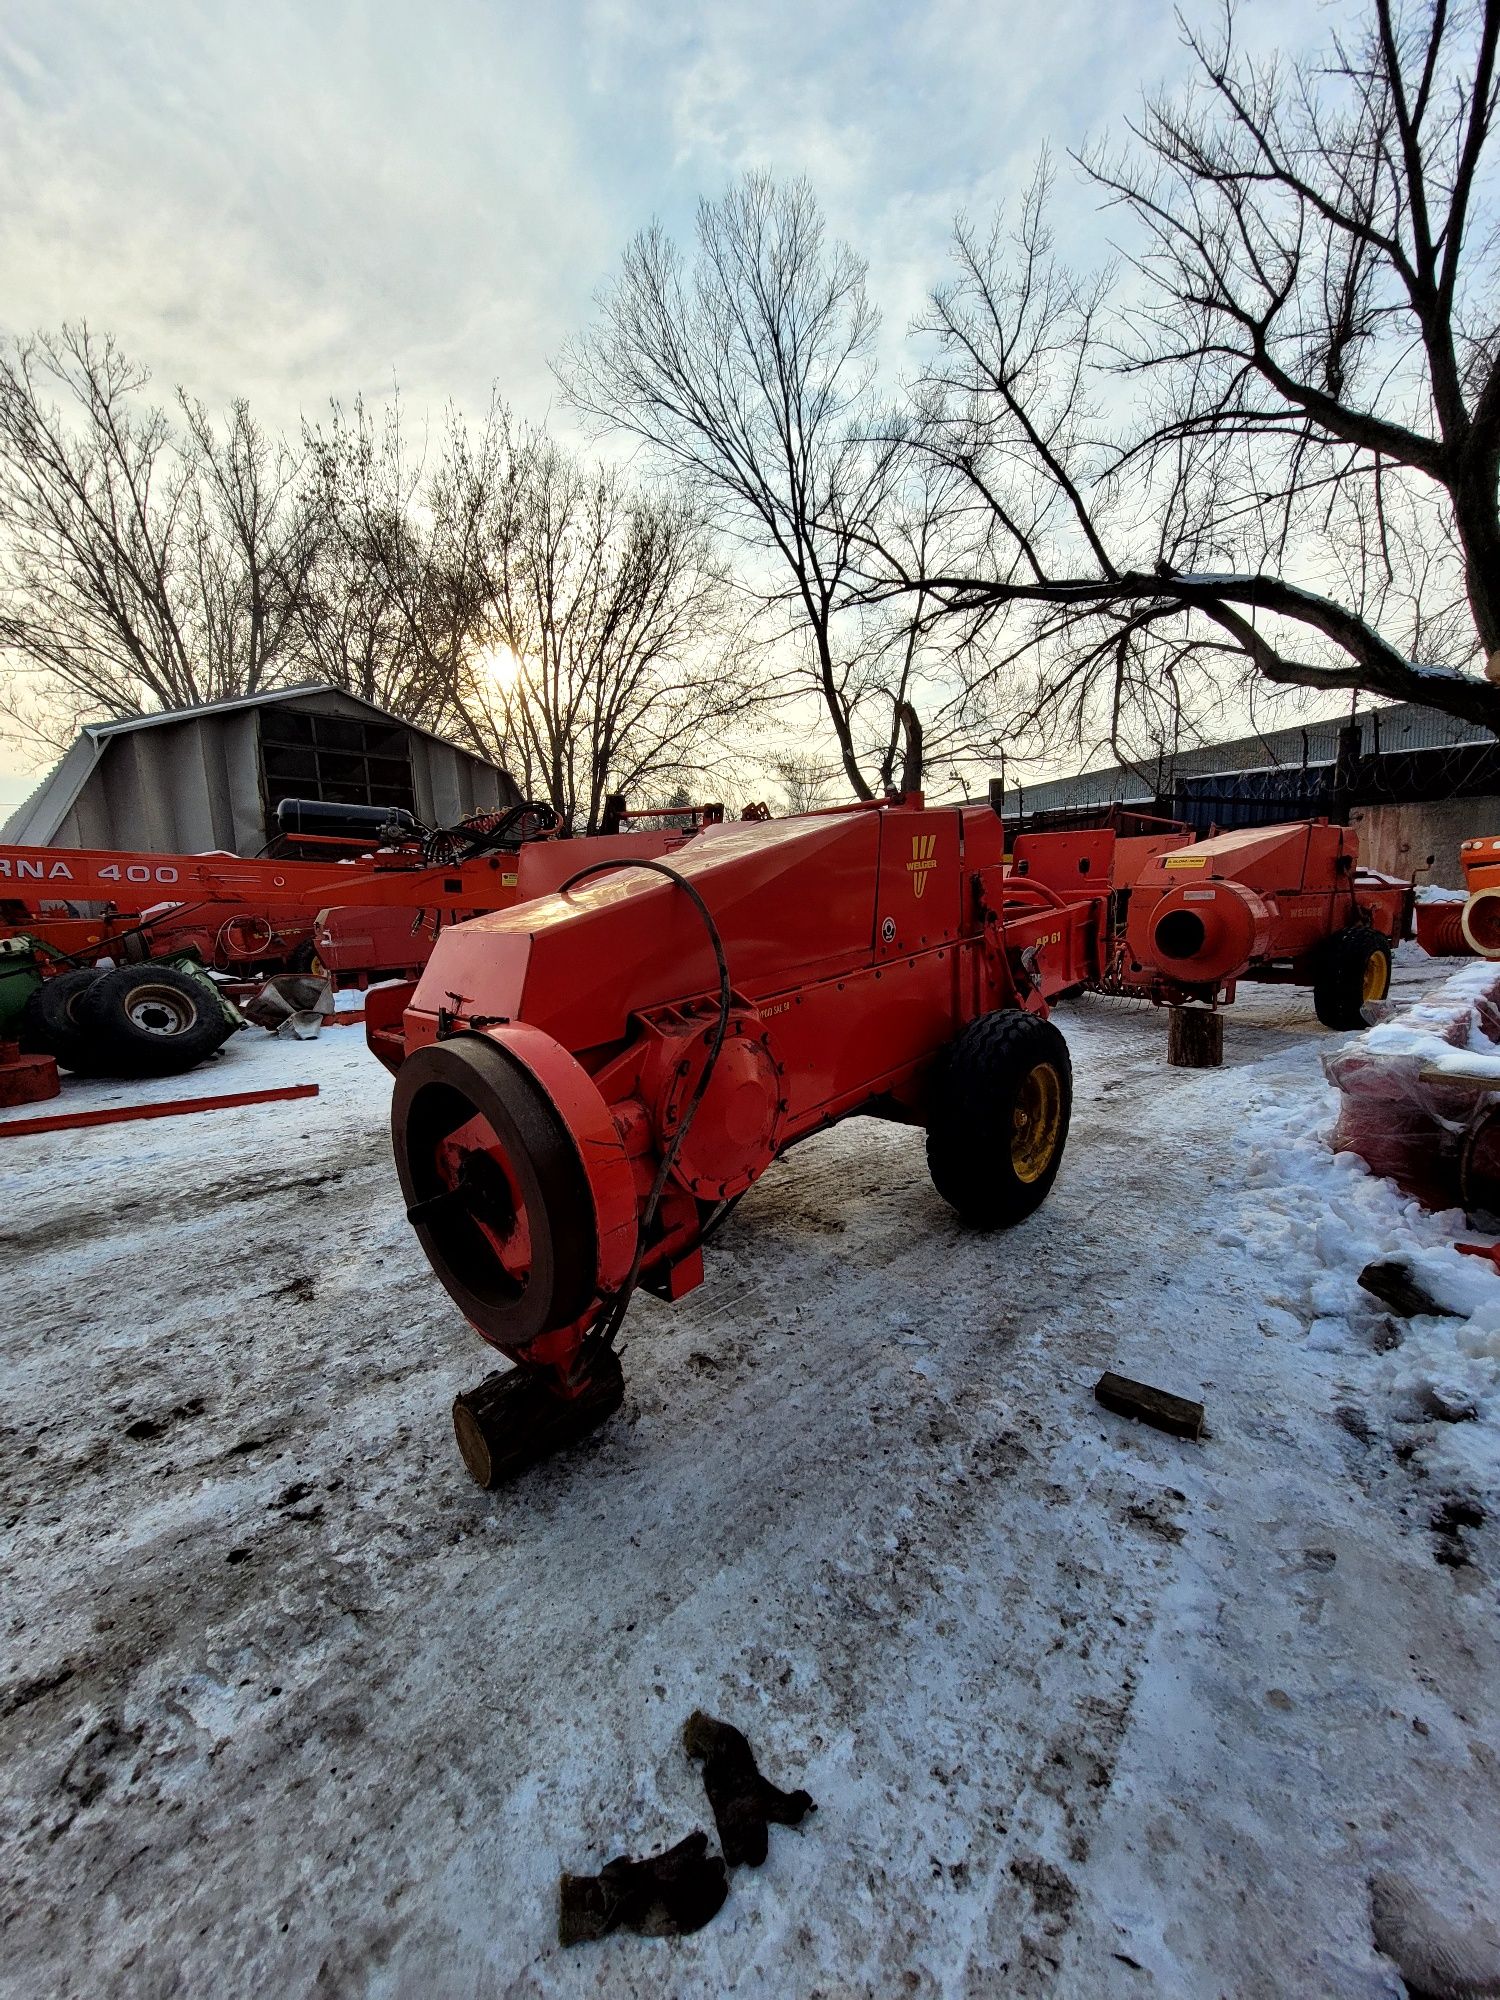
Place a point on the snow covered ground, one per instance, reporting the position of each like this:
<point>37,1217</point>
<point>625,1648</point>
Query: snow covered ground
<point>291,1708</point>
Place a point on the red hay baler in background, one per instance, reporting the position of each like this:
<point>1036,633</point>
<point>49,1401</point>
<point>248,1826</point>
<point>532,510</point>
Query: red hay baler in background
<point>1281,904</point>
<point>586,1084</point>
<point>1189,919</point>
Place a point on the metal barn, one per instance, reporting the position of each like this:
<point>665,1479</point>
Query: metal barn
<point>200,778</point>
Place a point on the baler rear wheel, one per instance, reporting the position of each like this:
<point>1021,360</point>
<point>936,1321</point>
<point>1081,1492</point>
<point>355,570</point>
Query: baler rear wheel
<point>998,1107</point>
<point>1353,971</point>
<point>50,1026</point>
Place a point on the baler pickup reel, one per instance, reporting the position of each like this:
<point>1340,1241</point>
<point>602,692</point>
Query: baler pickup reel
<point>592,1079</point>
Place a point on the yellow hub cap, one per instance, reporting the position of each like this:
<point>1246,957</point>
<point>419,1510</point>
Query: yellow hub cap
<point>1036,1123</point>
<point>1377,976</point>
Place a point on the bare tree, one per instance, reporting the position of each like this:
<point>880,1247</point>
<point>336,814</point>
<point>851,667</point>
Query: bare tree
<point>1268,447</point>
<point>748,372</point>
<point>610,660</point>
<point>146,559</point>
<point>805,782</point>
<point>486,583</point>
<point>398,605</point>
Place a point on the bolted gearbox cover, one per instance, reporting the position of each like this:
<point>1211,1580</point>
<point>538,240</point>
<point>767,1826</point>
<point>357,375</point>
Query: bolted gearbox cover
<point>733,1134</point>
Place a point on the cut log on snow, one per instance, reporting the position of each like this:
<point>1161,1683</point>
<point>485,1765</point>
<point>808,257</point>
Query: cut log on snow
<point>1153,1406</point>
<point>512,1421</point>
<point>1195,1037</point>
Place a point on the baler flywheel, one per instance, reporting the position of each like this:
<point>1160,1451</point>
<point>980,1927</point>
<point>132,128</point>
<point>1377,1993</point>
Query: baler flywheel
<point>494,1188</point>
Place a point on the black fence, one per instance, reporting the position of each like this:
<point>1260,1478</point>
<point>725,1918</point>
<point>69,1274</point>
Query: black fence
<point>1226,799</point>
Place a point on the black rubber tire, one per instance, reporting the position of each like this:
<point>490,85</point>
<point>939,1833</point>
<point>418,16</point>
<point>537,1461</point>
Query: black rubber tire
<point>974,1095</point>
<point>177,1021</point>
<point>1339,996</point>
<point>50,1024</point>
<point>305,959</point>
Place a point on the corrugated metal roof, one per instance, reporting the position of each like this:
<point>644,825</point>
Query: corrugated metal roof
<point>159,717</point>
<point>39,819</point>
<point>1399,726</point>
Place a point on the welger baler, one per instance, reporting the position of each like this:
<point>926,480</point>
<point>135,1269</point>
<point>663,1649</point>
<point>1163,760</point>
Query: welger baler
<point>587,1083</point>
<point>1287,904</point>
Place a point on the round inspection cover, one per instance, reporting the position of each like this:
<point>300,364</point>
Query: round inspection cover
<point>733,1134</point>
<point>517,1250</point>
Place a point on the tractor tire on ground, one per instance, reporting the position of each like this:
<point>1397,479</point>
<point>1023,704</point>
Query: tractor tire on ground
<point>1353,971</point>
<point>152,1020</point>
<point>50,1024</point>
<point>998,1106</point>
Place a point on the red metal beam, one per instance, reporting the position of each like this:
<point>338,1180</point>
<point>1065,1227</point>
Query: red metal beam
<point>69,1121</point>
<point>132,880</point>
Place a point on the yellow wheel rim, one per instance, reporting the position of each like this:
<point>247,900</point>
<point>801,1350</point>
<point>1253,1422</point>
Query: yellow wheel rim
<point>1036,1123</point>
<point>1377,976</point>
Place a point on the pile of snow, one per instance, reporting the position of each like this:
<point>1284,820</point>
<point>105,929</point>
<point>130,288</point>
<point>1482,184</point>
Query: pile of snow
<point>1462,1013</point>
<point>1320,1217</point>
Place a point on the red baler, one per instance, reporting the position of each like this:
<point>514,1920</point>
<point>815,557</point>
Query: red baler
<point>586,1083</point>
<point>1187,920</point>
<point>1286,904</point>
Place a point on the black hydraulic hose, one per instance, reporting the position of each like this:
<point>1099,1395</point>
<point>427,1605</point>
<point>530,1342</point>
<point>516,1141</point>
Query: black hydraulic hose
<point>606,1332</point>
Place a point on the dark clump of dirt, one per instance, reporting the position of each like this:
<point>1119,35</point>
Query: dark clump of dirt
<point>145,1428</point>
<point>1053,1892</point>
<point>26,1692</point>
<point>1449,1521</point>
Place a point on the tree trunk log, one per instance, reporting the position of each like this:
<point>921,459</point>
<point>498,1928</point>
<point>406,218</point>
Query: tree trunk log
<point>512,1421</point>
<point>1195,1037</point>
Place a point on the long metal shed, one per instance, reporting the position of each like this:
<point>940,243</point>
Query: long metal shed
<point>195,779</point>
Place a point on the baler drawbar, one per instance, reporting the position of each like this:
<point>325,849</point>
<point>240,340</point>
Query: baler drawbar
<point>588,1082</point>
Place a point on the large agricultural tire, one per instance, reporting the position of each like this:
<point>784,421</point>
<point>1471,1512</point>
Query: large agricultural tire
<point>998,1105</point>
<point>50,1025</point>
<point>1353,971</point>
<point>152,1020</point>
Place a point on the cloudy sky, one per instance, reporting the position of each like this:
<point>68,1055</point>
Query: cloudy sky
<point>291,202</point>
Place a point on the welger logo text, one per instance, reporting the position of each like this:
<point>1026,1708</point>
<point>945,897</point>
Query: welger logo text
<point>923,860</point>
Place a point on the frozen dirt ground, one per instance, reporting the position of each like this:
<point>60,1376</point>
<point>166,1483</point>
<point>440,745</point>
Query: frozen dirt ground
<point>290,1707</point>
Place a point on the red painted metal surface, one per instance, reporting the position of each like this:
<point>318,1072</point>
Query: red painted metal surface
<point>377,913</point>
<point>1480,917</point>
<point>859,942</point>
<point>124,1114</point>
<point>1440,930</point>
<point>26,1079</point>
<point>1188,919</point>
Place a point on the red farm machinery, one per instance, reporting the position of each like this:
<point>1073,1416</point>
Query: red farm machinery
<point>1189,919</point>
<point>587,1083</point>
<point>375,911</point>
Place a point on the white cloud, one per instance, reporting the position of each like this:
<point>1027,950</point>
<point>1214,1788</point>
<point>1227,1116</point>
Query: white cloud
<point>291,201</point>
